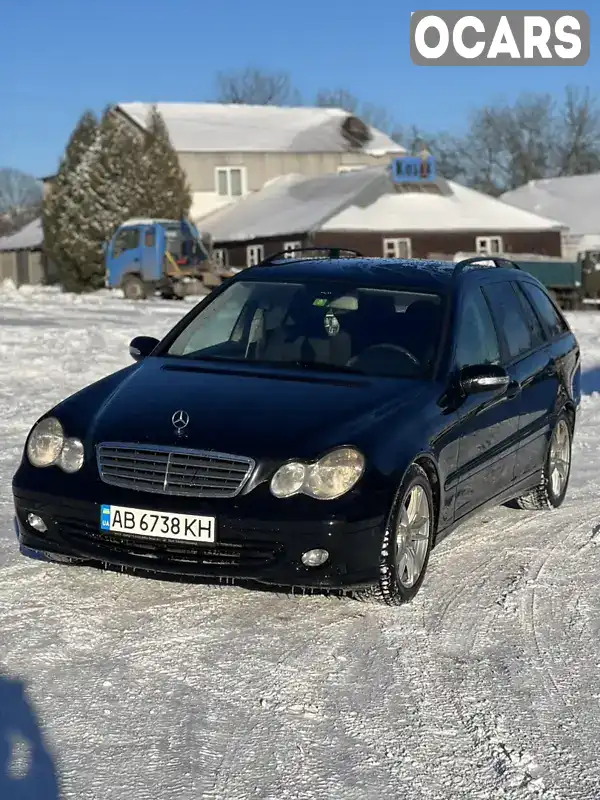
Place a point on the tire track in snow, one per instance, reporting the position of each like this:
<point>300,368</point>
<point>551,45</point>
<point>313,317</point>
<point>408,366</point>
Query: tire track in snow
<point>464,640</point>
<point>468,643</point>
<point>297,715</point>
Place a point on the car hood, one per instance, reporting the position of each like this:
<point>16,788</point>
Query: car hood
<point>261,413</point>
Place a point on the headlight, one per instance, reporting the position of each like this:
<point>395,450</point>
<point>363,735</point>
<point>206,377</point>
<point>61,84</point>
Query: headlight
<point>71,458</point>
<point>288,480</point>
<point>45,442</point>
<point>47,445</point>
<point>330,477</point>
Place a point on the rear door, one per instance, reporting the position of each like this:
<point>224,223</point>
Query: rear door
<point>529,363</point>
<point>563,358</point>
<point>489,422</point>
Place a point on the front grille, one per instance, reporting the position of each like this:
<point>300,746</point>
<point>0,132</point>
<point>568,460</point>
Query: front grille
<point>175,471</point>
<point>242,553</point>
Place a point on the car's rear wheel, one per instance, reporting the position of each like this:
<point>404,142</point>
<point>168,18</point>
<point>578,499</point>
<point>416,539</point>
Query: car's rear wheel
<point>407,542</point>
<point>552,488</point>
<point>133,288</point>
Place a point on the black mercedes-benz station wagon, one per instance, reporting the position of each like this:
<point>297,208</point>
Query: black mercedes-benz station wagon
<point>316,423</point>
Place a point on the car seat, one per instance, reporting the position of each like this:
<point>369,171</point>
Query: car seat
<point>305,337</point>
<point>375,322</point>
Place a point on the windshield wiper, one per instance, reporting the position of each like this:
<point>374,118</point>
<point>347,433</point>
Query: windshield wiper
<point>318,366</point>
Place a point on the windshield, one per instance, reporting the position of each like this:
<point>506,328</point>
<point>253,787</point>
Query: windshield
<point>321,325</point>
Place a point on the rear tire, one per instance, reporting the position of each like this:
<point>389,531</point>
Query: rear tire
<point>406,543</point>
<point>134,288</point>
<point>552,488</point>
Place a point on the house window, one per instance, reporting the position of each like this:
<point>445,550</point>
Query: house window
<point>489,245</point>
<point>221,257</point>
<point>230,181</point>
<point>289,248</point>
<point>397,248</point>
<point>254,254</point>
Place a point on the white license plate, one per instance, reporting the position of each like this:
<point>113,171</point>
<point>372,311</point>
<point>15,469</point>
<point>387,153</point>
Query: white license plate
<point>139,522</point>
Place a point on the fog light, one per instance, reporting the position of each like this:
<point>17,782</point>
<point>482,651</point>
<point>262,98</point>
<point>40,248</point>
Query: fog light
<point>314,558</point>
<point>37,523</point>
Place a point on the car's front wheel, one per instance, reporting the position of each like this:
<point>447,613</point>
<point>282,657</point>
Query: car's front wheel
<point>552,488</point>
<point>407,542</point>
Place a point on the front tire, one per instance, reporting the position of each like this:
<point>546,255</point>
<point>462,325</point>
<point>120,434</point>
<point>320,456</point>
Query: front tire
<point>134,288</point>
<point>406,543</point>
<point>552,488</point>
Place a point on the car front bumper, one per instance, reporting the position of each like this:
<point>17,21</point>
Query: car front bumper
<point>266,551</point>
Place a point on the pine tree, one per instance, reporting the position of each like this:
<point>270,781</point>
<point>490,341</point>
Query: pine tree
<point>105,191</point>
<point>167,192</point>
<point>55,212</point>
<point>110,172</point>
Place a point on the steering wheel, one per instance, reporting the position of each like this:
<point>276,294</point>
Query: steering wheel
<point>395,347</point>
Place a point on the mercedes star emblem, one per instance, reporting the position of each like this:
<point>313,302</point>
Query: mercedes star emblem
<point>180,420</point>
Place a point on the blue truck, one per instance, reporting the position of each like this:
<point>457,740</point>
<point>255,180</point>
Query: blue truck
<point>160,256</point>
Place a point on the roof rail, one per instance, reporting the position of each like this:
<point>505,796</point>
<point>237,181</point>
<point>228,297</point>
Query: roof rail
<point>331,252</point>
<point>498,262</point>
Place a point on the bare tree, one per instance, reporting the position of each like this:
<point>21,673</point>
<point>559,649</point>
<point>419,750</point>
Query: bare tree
<point>578,145</point>
<point>18,191</point>
<point>535,137</point>
<point>254,87</point>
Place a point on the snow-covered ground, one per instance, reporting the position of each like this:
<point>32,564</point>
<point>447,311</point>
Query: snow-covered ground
<point>485,687</point>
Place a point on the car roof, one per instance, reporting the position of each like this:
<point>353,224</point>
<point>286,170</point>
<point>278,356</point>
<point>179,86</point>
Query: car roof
<point>415,274</point>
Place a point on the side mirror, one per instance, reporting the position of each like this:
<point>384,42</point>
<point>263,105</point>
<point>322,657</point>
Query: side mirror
<point>142,346</point>
<point>483,378</point>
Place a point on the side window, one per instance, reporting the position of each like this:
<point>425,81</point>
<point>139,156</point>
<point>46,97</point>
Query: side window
<point>127,239</point>
<point>546,309</point>
<point>535,327</point>
<point>149,237</point>
<point>509,317</point>
<point>477,340</point>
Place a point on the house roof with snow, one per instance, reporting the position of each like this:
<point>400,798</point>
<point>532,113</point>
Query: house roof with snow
<point>292,204</point>
<point>222,127</point>
<point>461,209</point>
<point>573,200</point>
<point>365,200</point>
<point>31,237</point>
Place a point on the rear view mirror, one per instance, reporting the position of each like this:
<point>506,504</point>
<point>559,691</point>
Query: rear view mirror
<point>483,378</point>
<point>142,346</point>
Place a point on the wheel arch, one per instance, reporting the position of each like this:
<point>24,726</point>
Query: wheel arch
<point>428,465</point>
<point>570,409</point>
<point>131,273</point>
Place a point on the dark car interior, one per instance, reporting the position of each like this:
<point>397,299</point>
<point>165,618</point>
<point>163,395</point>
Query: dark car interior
<point>366,330</point>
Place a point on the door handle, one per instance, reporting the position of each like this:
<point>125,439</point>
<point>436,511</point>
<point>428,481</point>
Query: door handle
<point>514,387</point>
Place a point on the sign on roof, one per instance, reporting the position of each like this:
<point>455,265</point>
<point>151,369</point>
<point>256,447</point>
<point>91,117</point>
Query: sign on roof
<point>413,169</point>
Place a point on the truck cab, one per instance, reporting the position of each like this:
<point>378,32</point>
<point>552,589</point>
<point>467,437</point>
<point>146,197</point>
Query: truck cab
<point>170,257</point>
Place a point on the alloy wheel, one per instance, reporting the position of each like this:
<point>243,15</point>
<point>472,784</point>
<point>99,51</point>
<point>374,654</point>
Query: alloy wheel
<point>412,536</point>
<point>560,458</point>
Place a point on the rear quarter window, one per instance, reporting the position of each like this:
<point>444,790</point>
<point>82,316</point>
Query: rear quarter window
<point>551,317</point>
